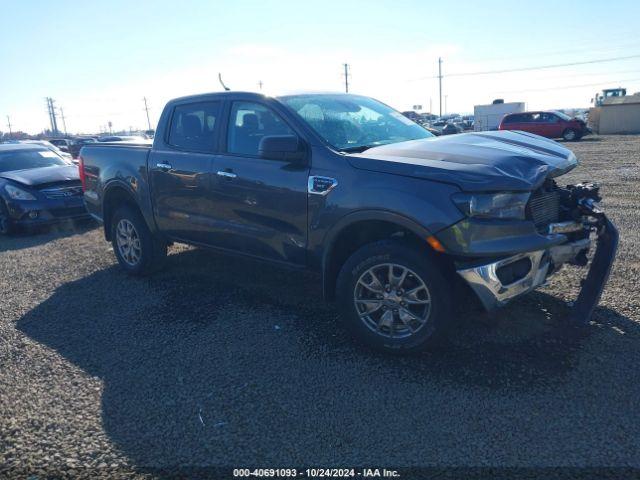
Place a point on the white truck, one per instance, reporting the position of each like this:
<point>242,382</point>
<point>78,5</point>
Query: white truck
<point>488,117</point>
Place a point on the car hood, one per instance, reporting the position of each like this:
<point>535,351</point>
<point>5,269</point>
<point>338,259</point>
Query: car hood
<point>482,161</point>
<point>40,176</point>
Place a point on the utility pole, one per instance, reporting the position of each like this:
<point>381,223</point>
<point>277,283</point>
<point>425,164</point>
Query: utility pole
<point>49,113</point>
<point>440,82</point>
<point>260,84</point>
<point>430,106</point>
<point>64,123</point>
<point>52,116</point>
<point>346,77</point>
<point>146,107</point>
<point>9,125</point>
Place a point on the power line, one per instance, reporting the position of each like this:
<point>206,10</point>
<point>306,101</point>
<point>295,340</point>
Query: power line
<point>538,67</point>
<point>543,67</point>
<point>566,87</point>
<point>589,74</point>
<point>593,48</point>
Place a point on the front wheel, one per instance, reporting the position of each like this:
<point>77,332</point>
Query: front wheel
<point>393,297</point>
<point>138,251</point>
<point>570,135</point>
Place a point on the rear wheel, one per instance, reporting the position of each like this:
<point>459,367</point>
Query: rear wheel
<point>570,135</point>
<point>138,251</point>
<point>393,297</point>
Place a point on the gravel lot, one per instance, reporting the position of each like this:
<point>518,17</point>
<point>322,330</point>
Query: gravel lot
<point>224,362</point>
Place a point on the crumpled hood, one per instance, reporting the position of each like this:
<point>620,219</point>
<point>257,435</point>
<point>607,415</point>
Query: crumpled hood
<point>482,161</point>
<point>39,176</point>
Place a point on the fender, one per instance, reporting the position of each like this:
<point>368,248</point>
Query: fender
<point>328,280</point>
<point>137,197</point>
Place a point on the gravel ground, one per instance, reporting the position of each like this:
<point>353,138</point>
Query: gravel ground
<point>224,362</point>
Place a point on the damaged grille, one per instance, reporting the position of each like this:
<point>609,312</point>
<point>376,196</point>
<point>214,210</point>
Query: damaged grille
<point>544,206</point>
<point>69,189</point>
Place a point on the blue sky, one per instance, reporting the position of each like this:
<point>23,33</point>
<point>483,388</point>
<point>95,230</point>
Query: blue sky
<point>98,59</point>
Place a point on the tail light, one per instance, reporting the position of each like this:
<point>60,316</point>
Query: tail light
<point>83,178</point>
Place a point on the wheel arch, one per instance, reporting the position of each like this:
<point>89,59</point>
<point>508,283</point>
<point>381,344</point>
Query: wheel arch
<point>116,195</point>
<point>360,228</point>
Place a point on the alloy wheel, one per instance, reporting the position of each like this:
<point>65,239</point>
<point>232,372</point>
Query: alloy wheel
<point>392,300</point>
<point>128,242</point>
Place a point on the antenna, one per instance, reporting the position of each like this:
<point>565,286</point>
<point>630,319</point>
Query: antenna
<point>222,83</point>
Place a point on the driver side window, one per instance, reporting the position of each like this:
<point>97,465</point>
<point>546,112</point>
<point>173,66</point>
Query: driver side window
<point>248,124</point>
<point>549,118</point>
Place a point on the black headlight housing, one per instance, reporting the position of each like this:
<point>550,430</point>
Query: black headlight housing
<point>498,205</point>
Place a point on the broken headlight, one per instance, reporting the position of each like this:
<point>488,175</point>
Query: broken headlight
<point>492,205</point>
<point>18,194</point>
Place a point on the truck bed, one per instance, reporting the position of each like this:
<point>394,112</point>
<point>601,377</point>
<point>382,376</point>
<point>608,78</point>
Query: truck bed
<point>114,165</point>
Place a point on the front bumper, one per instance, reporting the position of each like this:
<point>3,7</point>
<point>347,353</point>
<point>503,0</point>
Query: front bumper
<point>492,292</point>
<point>500,281</point>
<point>45,212</point>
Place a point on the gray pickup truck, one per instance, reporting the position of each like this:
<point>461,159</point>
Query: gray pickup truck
<point>392,218</point>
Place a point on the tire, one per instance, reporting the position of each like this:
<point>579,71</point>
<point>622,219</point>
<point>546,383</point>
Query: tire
<point>398,332</point>
<point>6,227</point>
<point>570,135</point>
<point>145,253</point>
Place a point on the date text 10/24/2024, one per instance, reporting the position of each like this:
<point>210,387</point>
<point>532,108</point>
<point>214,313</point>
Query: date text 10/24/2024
<point>316,473</point>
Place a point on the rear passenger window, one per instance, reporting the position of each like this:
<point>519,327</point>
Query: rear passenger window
<point>193,126</point>
<point>249,123</point>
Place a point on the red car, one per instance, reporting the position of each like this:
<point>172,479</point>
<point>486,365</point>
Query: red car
<point>547,124</point>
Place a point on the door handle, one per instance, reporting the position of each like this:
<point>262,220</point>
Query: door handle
<point>164,166</point>
<point>222,173</point>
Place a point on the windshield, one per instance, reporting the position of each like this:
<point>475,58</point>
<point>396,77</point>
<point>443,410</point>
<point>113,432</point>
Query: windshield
<point>352,122</point>
<point>27,159</point>
<point>563,116</point>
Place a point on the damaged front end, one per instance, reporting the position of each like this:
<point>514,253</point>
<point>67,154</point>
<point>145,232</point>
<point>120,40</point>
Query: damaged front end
<point>568,222</point>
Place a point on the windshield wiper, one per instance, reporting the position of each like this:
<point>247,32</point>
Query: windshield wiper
<point>358,149</point>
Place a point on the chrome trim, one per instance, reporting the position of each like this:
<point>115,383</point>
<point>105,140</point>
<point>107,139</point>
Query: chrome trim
<point>164,166</point>
<point>484,280</point>
<point>564,227</point>
<point>222,173</point>
<point>326,185</point>
<point>568,251</point>
<point>62,192</point>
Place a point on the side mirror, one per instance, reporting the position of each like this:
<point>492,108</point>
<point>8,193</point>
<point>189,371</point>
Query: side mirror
<point>281,147</point>
<point>64,148</point>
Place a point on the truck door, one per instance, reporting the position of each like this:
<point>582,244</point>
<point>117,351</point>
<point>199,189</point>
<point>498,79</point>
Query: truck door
<point>180,168</point>
<point>261,204</point>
